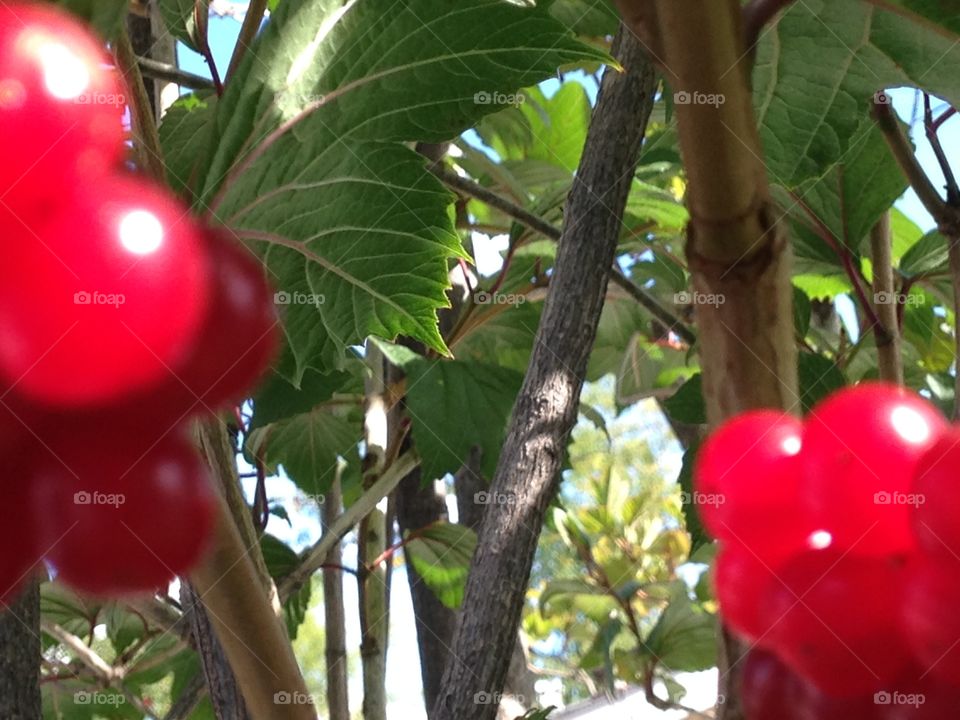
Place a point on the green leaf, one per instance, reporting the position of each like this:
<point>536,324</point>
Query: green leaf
<point>698,535</point>
<point>686,405</point>
<point>586,17</point>
<point>375,70</point>
<point>684,638</point>
<point>187,21</point>
<point>185,137</point>
<point>817,378</point>
<point>817,73</point>
<point>281,560</point>
<point>927,256</point>
<point>801,312</point>
<point>308,446</point>
<point>455,405</point>
<point>565,587</point>
<point>558,125</point>
<point>105,17</point>
<point>277,399</point>
<point>620,321</point>
<point>441,554</point>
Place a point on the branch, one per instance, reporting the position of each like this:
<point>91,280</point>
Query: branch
<point>531,459</point>
<point>144,125</point>
<point>90,659</point>
<point>537,224</point>
<point>757,15</point>
<point>902,151</point>
<point>248,31</point>
<point>171,73</point>
<point>314,558</point>
<point>887,332</point>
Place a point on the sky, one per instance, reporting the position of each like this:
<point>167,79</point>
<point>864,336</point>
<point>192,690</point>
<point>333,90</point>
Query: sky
<point>403,678</point>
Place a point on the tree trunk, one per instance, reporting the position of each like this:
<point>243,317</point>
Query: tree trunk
<point>20,656</point>
<point>546,409</point>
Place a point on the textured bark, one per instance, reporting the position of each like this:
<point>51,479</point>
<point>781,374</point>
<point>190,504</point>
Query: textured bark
<point>738,255</point>
<point>221,684</point>
<point>20,656</point>
<point>419,505</point>
<point>338,695</point>
<point>546,409</point>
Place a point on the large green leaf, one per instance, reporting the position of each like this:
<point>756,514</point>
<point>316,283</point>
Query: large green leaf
<point>684,638</point>
<point>455,405</point>
<point>301,165</point>
<point>817,73</point>
<point>441,555</point>
<point>281,560</point>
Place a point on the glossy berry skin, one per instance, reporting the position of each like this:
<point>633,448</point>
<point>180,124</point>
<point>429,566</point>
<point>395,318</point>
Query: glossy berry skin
<point>936,485</point>
<point>860,450</point>
<point>61,103</point>
<point>747,479</point>
<point>839,620</point>
<point>117,523</point>
<point>931,623</point>
<point>238,340</point>
<point>115,294</point>
<point>771,691</point>
<point>743,583</point>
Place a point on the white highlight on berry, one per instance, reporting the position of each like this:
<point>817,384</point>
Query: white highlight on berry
<point>66,76</point>
<point>791,445</point>
<point>141,232</point>
<point>819,540</point>
<point>910,425</point>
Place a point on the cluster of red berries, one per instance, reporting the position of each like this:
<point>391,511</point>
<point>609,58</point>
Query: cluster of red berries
<point>840,554</point>
<point>121,319</point>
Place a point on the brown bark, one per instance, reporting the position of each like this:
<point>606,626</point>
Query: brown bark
<point>20,656</point>
<point>546,409</point>
<point>738,255</point>
<point>885,302</point>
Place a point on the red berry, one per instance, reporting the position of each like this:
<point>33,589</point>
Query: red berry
<point>239,338</point>
<point>102,298</point>
<point>838,620</point>
<point>936,488</point>
<point>116,522</point>
<point>743,583</point>
<point>771,691</point>
<point>860,450</point>
<point>747,483</point>
<point>61,104</point>
<point>920,696</point>
<point>18,534</point>
<point>931,623</point>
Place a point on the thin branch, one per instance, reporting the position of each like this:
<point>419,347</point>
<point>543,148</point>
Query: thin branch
<point>248,31</point>
<point>887,332</point>
<point>171,73</point>
<point>662,704</point>
<point>953,191</point>
<point>757,15</point>
<point>90,659</point>
<point>902,151</point>
<point>538,224</point>
<point>314,558</point>
<point>146,137</point>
